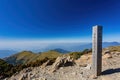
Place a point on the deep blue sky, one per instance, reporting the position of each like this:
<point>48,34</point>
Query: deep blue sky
<point>58,19</point>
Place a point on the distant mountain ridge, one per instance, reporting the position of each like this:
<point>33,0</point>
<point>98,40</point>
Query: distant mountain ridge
<point>77,46</point>
<point>6,53</point>
<point>61,48</point>
<point>107,44</point>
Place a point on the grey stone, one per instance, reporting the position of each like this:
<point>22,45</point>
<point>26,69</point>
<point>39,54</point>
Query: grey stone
<point>97,50</point>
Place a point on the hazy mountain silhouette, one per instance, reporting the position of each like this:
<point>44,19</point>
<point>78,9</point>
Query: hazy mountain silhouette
<point>75,46</point>
<point>60,47</point>
<point>61,50</point>
<point>6,53</point>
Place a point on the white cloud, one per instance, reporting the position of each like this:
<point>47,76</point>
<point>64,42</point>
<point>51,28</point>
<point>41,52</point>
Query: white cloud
<point>32,44</point>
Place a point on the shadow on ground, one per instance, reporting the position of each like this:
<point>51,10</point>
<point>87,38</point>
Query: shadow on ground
<point>111,71</point>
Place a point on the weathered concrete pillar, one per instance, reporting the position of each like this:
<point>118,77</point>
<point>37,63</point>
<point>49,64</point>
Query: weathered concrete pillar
<point>97,50</point>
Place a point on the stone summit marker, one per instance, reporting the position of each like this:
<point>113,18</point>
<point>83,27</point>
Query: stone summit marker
<point>97,50</point>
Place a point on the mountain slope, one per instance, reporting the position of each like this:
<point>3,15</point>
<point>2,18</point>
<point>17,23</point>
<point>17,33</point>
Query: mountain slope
<point>20,58</point>
<point>114,48</point>
<point>28,56</point>
<point>49,54</point>
<point>81,71</point>
<point>4,69</point>
<point>61,50</point>
<point>3,65</point>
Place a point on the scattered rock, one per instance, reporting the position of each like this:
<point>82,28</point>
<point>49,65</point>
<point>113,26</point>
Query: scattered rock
<point>65,70</point>
<point>61,62</point>
<point>61,67</point>
<point>106,78</point>
<point>74,73</point>
<point>81,72</point>
<point>83,60</point>
<point>107,56</point>
<point>88,66</point>
<point>45,64</point>
<point>107,52</point>
<point>42,79</point>
<point>93,77</point>
<point>83,65</point>
<point>117,53</point>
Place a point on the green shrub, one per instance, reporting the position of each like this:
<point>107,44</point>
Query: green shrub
<point>75,55</point>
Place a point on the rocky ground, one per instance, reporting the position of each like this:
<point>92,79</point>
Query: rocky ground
<point>80,70</point>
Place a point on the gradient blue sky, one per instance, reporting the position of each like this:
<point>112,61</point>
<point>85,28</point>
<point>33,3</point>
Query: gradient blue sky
<point>58,19</point>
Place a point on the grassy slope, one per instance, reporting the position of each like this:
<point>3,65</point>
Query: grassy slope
<point>114,48</point>
<point>49,54</point>
<point>4,66</point>
<point>27,56</point>
<point>22,57</point>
